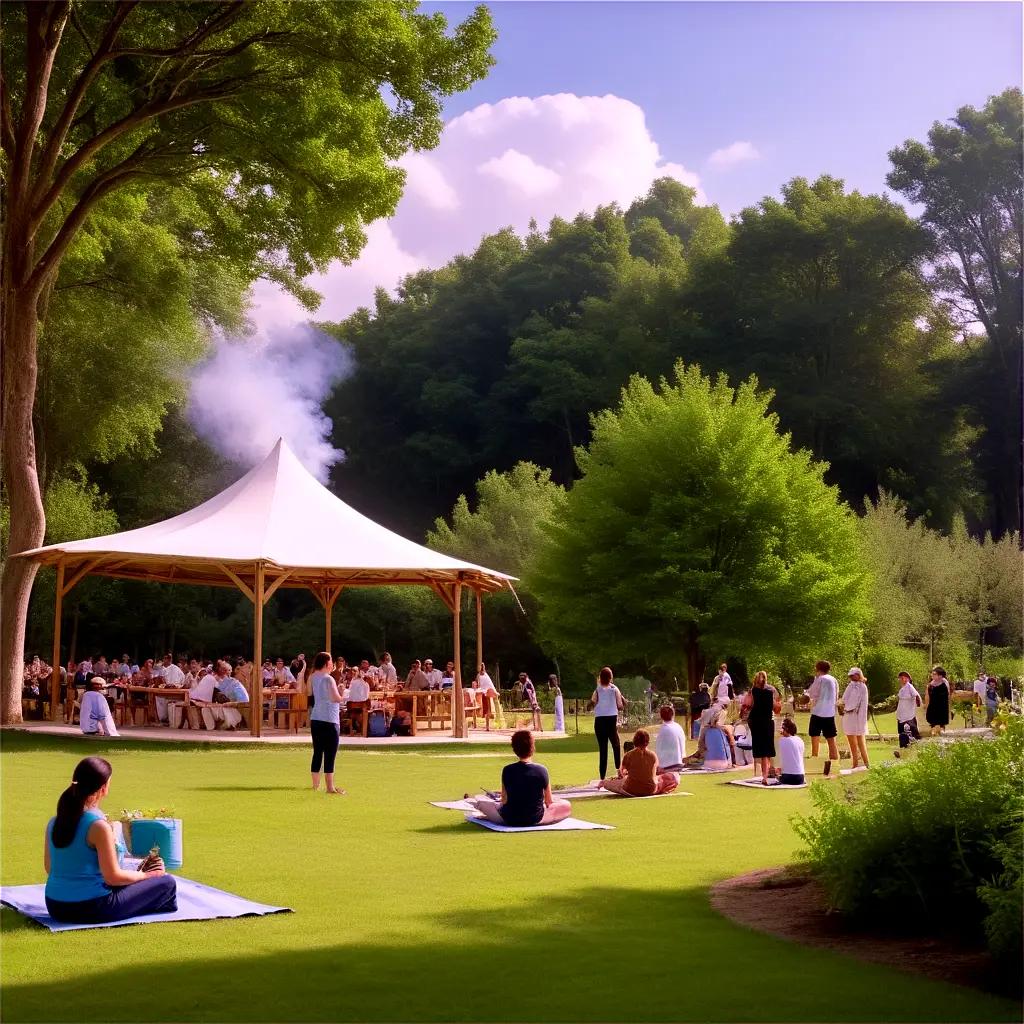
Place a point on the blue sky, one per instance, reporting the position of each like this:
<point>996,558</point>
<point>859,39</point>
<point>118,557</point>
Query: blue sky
<point>816,87</point>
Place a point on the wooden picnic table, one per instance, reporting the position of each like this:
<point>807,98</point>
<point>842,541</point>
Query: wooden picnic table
<point>177,693</point>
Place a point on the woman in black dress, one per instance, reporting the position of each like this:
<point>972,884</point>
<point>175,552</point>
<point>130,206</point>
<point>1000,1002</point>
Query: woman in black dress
<point>765,701</point>
<point>936,704</point>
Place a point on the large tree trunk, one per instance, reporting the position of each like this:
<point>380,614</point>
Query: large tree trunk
<point>21,489</point>
<point>696,661</point>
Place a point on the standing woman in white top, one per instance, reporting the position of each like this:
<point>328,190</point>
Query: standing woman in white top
<point>607,703</point>
<point>855,715</point>
<point>488,694</point>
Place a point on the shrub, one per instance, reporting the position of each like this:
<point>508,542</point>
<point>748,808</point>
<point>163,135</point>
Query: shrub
<point>1004,898</point>
<point>632,687</point>
<point>929,840</point>
<point>883,663</point>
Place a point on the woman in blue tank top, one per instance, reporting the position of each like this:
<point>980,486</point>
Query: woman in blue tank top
<point>85,881</point>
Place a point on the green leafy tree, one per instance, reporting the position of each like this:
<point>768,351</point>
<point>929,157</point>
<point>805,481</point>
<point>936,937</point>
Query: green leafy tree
<point>820,294</point>
<point>969,178</point>
<point>695,531</point>
<point>505,530</point>
<point>134,302</point>
<point>283,129</point>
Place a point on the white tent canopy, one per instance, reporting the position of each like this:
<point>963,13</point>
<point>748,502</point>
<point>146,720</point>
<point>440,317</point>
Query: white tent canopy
<point>275,527</point>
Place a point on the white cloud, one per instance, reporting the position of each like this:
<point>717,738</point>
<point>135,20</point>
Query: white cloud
<point>518,171</point>
<point>736,153</point>
<point>497,165</point>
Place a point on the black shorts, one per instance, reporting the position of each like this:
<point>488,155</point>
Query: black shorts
<point>822,726</point>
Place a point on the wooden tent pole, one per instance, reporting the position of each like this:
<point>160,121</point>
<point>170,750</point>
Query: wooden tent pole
<point>458,706</point>
<point>479,634</point>
<point>55,678</point>
<point>256,705</point>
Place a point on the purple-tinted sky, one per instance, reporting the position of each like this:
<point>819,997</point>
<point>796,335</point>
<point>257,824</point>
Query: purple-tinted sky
<point>815,87</point>
<point>587,104</point>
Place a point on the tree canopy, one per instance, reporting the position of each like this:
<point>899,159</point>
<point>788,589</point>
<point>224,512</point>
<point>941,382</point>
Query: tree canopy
<point>696,531</point>
<point>283,131</point>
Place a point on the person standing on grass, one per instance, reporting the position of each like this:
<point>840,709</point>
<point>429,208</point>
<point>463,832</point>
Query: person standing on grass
<point>991,699</point>
<point>721,686</point>
<point>530,696</point>
<point>791,755</point>
<point>85,882</point>
<point>559,703</point>
<point>937,701</point>
<point>908,700</point>
<point>824,692</point>
<point>764,703</point>
<point>607,703</point>
<point>855,715</point>
<point>324,722</point>
<point>526,798</point>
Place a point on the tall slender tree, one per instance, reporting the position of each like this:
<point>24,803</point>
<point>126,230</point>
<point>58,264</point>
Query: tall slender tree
<point>970,180</point>
<point>283,124</point>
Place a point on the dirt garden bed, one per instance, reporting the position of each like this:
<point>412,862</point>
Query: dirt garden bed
<point>792,906</point>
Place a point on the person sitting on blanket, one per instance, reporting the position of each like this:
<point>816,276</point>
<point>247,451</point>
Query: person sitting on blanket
<point>639,774</point>
<point>94,716</point>
<point>713,718</point>
<point>526,798</point>
<point>670,743</point>
<point>85,882</point>
<point>791,754</point>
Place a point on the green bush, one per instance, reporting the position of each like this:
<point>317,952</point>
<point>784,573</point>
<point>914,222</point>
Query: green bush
<point>883,663</point>
<point>632,687</point>
<point>1004,663</point>
<point>929,840</point>
<point>1004,898</point>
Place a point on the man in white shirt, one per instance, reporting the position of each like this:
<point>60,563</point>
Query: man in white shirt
<point>670,743</point>
<point>824,692</point>
<point>433,675</point>
<point>170,676</point>
<point>907,702</point>
<point>980,686</point>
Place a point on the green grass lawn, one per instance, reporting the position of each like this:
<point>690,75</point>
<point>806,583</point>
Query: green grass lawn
<point>405,912</point>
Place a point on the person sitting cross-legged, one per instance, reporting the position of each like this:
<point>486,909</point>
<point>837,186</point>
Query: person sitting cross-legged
<point>670,743</point>
<point>525,791</point>
<point>640,774</point>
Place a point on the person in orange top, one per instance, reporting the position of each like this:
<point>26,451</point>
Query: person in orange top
<point>640,774</point>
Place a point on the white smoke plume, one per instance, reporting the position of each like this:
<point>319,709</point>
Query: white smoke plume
<point>253,390</point>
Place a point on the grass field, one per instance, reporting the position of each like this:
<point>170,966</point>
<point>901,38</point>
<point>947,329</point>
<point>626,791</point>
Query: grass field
<point>405,912</point>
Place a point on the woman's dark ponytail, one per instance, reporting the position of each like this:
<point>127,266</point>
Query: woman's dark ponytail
<point>91,773</point>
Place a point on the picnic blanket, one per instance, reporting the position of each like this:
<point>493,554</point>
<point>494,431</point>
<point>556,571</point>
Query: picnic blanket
<point>565,825</point>
<point>578,793</point>
<point>772,784</point>
<point>196,902</point>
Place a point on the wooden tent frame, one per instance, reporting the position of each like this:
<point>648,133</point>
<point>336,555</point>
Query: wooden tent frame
<point>259,580</point>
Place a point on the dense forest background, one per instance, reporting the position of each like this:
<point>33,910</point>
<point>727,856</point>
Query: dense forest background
<point>891,342</point>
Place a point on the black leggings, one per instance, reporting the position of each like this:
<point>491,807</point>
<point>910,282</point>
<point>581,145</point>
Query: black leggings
<point>606,729</point>
<point>325,745</point>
